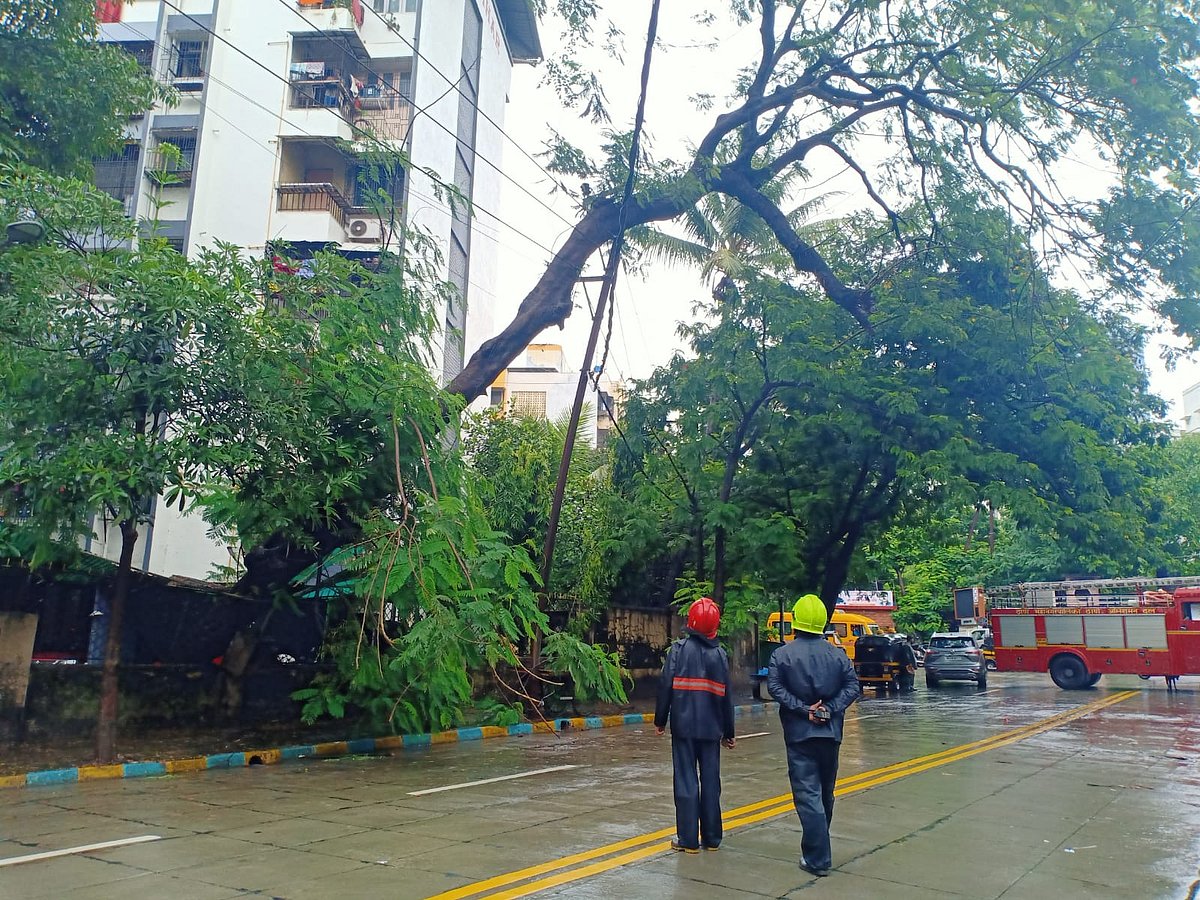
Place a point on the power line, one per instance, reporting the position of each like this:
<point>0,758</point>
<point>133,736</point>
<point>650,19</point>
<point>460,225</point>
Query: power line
<point>441,204</point>
<point>453,86</point>
<point>392,28</point>
<point>200,25</point>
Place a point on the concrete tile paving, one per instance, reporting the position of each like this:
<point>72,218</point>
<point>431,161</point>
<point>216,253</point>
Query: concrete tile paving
<point>1121,788</point>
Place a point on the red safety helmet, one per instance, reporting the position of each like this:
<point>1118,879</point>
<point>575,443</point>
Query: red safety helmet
<point>704,617</point>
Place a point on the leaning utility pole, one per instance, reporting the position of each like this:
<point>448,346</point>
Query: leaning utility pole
<point>606,290</point>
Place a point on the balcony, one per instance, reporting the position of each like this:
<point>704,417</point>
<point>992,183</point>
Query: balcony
<point>384,125</point>
<point>314,197</point>
<point>327,86</point>
<point>343,17</point>
<point>171,164</point>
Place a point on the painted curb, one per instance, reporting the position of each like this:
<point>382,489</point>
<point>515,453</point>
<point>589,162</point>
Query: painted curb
<point>331,749</point>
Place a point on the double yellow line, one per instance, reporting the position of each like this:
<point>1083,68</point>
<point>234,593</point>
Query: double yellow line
<point>601,859</point>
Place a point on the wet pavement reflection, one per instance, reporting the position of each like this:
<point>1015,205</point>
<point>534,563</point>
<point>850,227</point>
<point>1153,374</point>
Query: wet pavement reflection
<point>1006,801</point>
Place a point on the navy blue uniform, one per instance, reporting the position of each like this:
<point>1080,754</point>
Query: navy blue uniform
<point>694,696</point>
<point>807,671</point>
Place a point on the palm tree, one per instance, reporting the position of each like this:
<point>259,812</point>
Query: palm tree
<point>727,241</point>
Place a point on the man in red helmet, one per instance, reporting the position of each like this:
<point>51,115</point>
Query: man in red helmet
<point>694,693</point>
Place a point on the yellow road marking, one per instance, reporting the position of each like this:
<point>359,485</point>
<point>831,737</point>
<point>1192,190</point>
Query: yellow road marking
<point>653,842</point>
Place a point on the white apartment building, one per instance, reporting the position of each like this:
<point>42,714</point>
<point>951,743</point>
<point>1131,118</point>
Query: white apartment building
<point>1191,409</point>
<point>274,98</point>
<point>544,386</point>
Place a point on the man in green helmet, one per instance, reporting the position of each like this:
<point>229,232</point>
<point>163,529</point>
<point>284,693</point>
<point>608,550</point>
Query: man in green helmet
<point>814,684</point>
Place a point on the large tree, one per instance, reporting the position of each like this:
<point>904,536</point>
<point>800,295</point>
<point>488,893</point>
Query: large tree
<point>914,97</point>
<point>804,436</point>
<point>115,369</point>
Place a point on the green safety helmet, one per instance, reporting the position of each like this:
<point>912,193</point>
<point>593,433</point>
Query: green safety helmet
<point>809,614</point>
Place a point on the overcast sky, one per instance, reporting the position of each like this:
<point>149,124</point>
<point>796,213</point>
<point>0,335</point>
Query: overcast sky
<point>687,62</point>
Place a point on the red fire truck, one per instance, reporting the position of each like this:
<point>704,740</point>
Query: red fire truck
<point>1080,630</point>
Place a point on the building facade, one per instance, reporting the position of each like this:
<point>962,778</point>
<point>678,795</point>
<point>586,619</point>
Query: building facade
<point>544,386</point>
<point>1191,409</point>
<point>278,100</point>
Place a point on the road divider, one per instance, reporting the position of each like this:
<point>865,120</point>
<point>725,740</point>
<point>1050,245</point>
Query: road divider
<point>578,866</point>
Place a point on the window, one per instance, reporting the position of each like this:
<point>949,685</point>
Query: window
<point>840,628</point>
<point>373,180</point>
<point>173,160</point>
<point>952,643</point>
<point>529,403</point>
<point>394,6</point>
<point>142,51</point>
<point>187,59</point>
<point>116,175</point>
<point>497,397</point>
<point>1191,612</point>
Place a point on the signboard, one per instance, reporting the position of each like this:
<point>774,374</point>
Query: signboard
<point>880,599</point>
<point>964,603</point>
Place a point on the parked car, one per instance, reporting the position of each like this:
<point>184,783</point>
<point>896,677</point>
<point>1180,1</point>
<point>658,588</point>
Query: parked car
<point>954,657</point>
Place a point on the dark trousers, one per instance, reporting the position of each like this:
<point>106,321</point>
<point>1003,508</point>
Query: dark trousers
<point>697,801</point>
<point>812,770</point>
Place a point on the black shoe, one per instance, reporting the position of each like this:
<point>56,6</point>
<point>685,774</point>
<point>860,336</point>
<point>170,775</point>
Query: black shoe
<point>679,848</point>
<point>816,873</point>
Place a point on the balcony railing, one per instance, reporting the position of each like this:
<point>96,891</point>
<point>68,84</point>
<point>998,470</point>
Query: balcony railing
<point>169,169</point>
<point>314,197</point>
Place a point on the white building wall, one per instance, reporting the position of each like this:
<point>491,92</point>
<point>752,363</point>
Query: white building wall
<point>1191,409</point>
<point>496,75</point>
<point>245,118</point>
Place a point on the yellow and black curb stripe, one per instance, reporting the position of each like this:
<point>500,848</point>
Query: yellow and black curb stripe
<point>523,882</point>
<point>331,749</point>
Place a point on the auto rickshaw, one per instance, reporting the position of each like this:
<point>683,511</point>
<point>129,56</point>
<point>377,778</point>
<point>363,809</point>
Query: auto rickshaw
<point>877,663</point>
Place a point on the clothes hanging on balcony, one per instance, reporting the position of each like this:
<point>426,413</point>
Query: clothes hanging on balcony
<point>307,70</point>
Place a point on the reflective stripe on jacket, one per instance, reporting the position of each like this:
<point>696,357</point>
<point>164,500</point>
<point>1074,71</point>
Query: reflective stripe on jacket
<point>694,692</point>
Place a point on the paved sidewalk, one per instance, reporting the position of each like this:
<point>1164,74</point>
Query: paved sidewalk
<point>1106,805</point>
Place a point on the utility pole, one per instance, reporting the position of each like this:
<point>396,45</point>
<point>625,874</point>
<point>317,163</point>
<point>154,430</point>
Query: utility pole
<point>606,290</point>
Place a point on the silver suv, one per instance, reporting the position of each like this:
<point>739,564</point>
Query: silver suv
<point>954,656</point>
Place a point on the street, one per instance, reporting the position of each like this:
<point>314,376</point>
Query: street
<point>1019,791</point>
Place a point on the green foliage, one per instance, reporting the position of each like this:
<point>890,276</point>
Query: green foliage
<point>64,97</point>
<point>1173,541</point>
<point>515,460</point>
<point>440,596</point>
<point>114,366</point>
<point>979,380</point>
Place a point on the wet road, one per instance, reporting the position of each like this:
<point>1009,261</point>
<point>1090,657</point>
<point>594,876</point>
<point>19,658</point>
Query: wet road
<point>1020,791</point>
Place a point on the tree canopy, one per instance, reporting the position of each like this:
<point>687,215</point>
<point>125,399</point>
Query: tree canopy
<point>799,437</point>
<point>916,98</point>
<point>64,97</point>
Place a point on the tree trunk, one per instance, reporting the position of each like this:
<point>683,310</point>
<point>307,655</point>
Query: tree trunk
<point>719,566</point>
<point>106,724</point>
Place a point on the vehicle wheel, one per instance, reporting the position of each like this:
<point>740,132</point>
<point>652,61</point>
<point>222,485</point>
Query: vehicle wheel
<point>991,665</point>
<point>1069,672</point>
<point>930,681</point>
<point>1092,679</point>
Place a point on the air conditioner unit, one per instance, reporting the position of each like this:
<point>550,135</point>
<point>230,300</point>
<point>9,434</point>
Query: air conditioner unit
<point>367,231</point>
